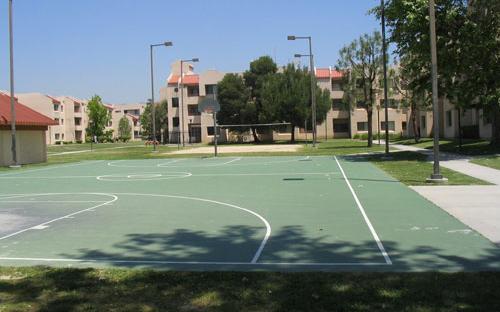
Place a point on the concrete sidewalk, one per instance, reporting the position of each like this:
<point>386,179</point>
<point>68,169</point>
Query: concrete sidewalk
<point>476,206</point>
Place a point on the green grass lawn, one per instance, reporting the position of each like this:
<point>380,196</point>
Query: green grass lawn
<point>47,289</point>
<point>54,149</point>
<point>469,147</point>
<point>413,169</point>
<point>492,162</point>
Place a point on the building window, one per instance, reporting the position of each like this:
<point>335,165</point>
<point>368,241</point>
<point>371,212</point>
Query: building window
<point>392,125</point>
<point>56,107</point>
<point>392,103</point>
<point>338,104</point>
<point>336,86</point>
<point>193,90</point>
<point>210,131</point>
<point>210,89</point>
<point>193,110</point>
<point>134,112</point>
<point>175,102</point>
<point>57,136</point>
<point>404,125</point>
<point>136,134</point>
<point>57,120</point>
<point>62,136</point>
<point>340,125</point>
<point>78,121</point>
<point>77,108</point>
<point>62,121</point>
<point>175,121</point>
<point>62,108</point>
<point>449,120</point>
<point>423,122</point>
<point>362,126</point>
<point>361,104</point>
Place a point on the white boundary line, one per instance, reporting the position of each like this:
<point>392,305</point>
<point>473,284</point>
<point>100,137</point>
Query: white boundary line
<point>365,216</point>
<point>63,217</point>
<point>134,176</point>
<point>117,261</point>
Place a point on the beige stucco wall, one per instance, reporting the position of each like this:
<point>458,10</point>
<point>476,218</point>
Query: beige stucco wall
<point>30,144</point>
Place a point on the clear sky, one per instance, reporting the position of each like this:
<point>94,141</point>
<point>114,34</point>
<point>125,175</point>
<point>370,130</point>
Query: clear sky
<point>86,47</point>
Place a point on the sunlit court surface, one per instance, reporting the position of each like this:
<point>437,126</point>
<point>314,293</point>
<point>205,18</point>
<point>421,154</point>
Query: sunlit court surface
<point>230,213</point>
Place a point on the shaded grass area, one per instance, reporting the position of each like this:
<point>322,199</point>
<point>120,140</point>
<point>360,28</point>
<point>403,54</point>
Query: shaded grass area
<point>492,162</point>
<point>469,147</point>
<point>50,289</point>
<point>413,169</point>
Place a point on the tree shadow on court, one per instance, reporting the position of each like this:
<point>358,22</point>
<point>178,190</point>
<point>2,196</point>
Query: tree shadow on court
<point>47,289</point>
<point>292,244</point>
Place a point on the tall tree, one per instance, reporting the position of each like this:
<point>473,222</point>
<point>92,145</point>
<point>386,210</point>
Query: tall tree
<point>124,129</point>
<point>362,61</point>
<point>467,33</point>
<point>98,117</point>
<point>254,79</point>
<point>286,97</point>
<point>235,105</point>
<point>161,120</point>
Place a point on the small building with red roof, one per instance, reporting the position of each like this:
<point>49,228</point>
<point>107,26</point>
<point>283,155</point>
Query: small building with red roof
<point>31,128</point>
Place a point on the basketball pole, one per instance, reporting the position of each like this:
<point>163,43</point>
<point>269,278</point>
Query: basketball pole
<point>215,133</point>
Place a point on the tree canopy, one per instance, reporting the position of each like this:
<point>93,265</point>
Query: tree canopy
<point>124,129</point>
<point>161,120</point>
<point>98,116</point>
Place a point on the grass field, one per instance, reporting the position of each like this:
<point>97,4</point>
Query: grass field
<point>469,147</point>
<point>48,289</point>
<point>492,162</point>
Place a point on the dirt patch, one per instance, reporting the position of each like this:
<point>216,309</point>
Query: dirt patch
<point>241,149</point>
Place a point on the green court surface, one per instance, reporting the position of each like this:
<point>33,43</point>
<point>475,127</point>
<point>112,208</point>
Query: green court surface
<point>230,213</point>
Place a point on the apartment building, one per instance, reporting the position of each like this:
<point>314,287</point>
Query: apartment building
<point>132,112</point>
<point>340,121</point>
<point>184,120</point>
<point>68,113</point>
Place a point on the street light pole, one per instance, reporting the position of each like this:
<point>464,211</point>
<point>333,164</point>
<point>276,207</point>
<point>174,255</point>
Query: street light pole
<point>313,84</point>
<point>153,115</point>
<point>436,175</point>
<point>182,96</point>
<point>12,99</point>
<point>386,106</point>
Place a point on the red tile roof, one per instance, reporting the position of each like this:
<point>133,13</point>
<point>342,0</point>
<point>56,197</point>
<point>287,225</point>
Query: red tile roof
<point>25,116</point>
<point>173,79</point>
<point>326,73</point>
<point>191,79</point>
<point>322,73</point>
<point>335,74</point>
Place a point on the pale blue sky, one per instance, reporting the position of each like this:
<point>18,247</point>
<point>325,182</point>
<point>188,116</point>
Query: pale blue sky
<point>86,47</point>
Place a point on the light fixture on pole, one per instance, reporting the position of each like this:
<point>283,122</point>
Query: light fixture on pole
<point>193,60</point>
<point>12,98</point>
<point>313,83</point>
<point>153,121</point>
<point>436,175</point>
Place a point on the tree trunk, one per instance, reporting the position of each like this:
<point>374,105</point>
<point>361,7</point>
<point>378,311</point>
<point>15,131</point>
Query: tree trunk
<point>416,128</point>
<point>293,134</point>
<point>495,126</point>
<point>459,128</point>
<point>254,134</point>
<point>369,113</point>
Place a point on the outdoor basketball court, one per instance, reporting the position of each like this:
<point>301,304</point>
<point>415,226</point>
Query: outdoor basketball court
<point>230,213</point>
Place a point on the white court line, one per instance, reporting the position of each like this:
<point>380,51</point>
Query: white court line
<point>63,217</point>
<point>50,167</point>
<point>365,216</point>
<point>266,223</point>
<point>51,201</point>
<point>118,261</point>
<point>262,174</point>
